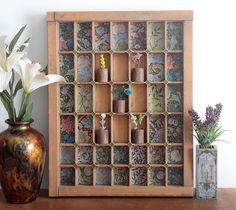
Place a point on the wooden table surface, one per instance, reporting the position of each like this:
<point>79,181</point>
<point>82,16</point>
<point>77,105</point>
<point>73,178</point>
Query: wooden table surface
<point>226,201</point>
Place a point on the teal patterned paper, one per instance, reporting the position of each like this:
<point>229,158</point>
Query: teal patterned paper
<point>85,155</point>
<point>156,36</point>
<point>156,128</point>
<point>175,35</point>
<point>175,67</point>
<point>156,98</point>
<point>85,176</point>
<point>67,155</point>
<point>121,155</point>
<point>175,154</point>
<point>67,129</point>
<point>138,36</point>
<point>139,155</point>
<point>84,36</point>
<point>85,129</point>
<point>67,176</point>
<point>121,176</point>
<point>119,36</point>
<point>85,98</point>
<point>139,176</point>
<point>156,154</point>
<point>175,176</point>
<point>175,128</point>
<point>67,98</point>
<point>157,176</point>
<point>103,176</point>
<point>102,36</point>
<point>103,155</point>
<point>84,68</point>
<point>66,36</point>
<point>175,98</point>
<point>66,63</point>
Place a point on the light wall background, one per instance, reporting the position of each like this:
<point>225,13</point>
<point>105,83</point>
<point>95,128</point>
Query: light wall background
<point>214,57</point>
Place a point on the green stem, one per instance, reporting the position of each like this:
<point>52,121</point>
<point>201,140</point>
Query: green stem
<point>11,96</point>
<point>24,104</point>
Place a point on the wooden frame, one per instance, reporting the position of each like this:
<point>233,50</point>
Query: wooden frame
<point>120,60</point>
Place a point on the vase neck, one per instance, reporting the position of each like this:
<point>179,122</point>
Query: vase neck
<point>19,125</point>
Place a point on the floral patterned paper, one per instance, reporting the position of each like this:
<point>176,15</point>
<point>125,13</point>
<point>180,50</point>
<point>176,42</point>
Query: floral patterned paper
<point>67,176</point>
<point>156,98</point>
<point>85,129</point>
<point>67,155</point>
<point>157,176</point>
<point>157,155</point>
<point>103,176</point>
<point>120,36</point>
<point>175,154</point>
<point>85,176</point>
<point>175,128</point>
<point>121,155</point>
<point>84,68</point>
<point>66,36</point>
<point>67,98</point>
<point>175,35</point>
<point>156,67</point>
<point>66,62</point>
<point>175,176</point>
<point>139,176</point>
<point>175,98</point>
<point>67,129</point>
<point>156,128</point>
<point>85,155</point>
<point>84,36</point>
<point>156,31</point>
<point>85,98</point>
<point>139,155</point>
<point>103,155</point>
<point>175,67</point>
<point>121,176</point>
<point>102,36</point>
<point>138,36</point>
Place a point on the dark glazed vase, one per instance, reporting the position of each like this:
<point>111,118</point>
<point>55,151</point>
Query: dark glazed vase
<point>22,158</point>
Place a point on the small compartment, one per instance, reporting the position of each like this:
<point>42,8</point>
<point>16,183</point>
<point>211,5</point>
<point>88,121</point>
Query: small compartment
<point>139,98</point>
<point>84,68</point>
<point>103,124</point>
<point>67,155</point>
<point>157,176</point>
<point>102,98</point>
<point>157,155</point>
<point>102,36</point>
<point>156,36</point>
<point>85,128</point>
<point>119,36</point>
<point>121,155</point>
<point>121,98</point>
<point>67,176</point>
<point>67,98</point>
<point>120,67</point>
<point>156,67</point>
<point>67,129</point>
<point>139,155</point>
<point>156,98</point>
<point>103,176</point>
<point>85,155</point>
<point>175,98</point>
<point>121,176</point>
<point>175,35</point>
<point>138,130</point>
<point>103,155</point>
<point>175,129</point>
<point>138,36</point>
<point>66,63</point>
<point>138,67</point>
<point>120,129</point>
<point>66,36</point>
<point>139,176</point>
<point>85,176</point>
<point>175,67</point>
<point>175,154</point>
<point>98,69</point>
<point>175,176</point>
<point>85,98</point>
<point>156,128</point>
<point>84,36</point>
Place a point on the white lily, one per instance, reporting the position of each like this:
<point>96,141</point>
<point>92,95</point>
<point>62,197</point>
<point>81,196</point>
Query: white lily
<point>31,76</point>
<point>7,63</point>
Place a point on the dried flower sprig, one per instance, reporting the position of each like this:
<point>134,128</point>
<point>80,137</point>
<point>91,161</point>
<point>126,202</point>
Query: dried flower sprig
<point>103,121</point>
<point>208,131</point>
<point>102,62</point>
<point>137,120</point>
<point>136,58</point>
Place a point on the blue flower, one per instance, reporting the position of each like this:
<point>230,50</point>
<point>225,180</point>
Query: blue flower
<point>127,91</point>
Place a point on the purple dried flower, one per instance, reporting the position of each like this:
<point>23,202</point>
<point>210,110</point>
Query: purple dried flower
<point>195,118</point>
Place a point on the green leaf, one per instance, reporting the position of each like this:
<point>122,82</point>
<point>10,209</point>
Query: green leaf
<point>45,70</point>
<point>28,113</point>
<point>17,87</point>
<point>16,38</point>
<point>22,47</point>
<point>7,105</point>
<point>24,104</point>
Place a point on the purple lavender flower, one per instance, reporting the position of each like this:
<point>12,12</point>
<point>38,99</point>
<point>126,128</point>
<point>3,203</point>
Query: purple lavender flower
<point>195,118</point>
